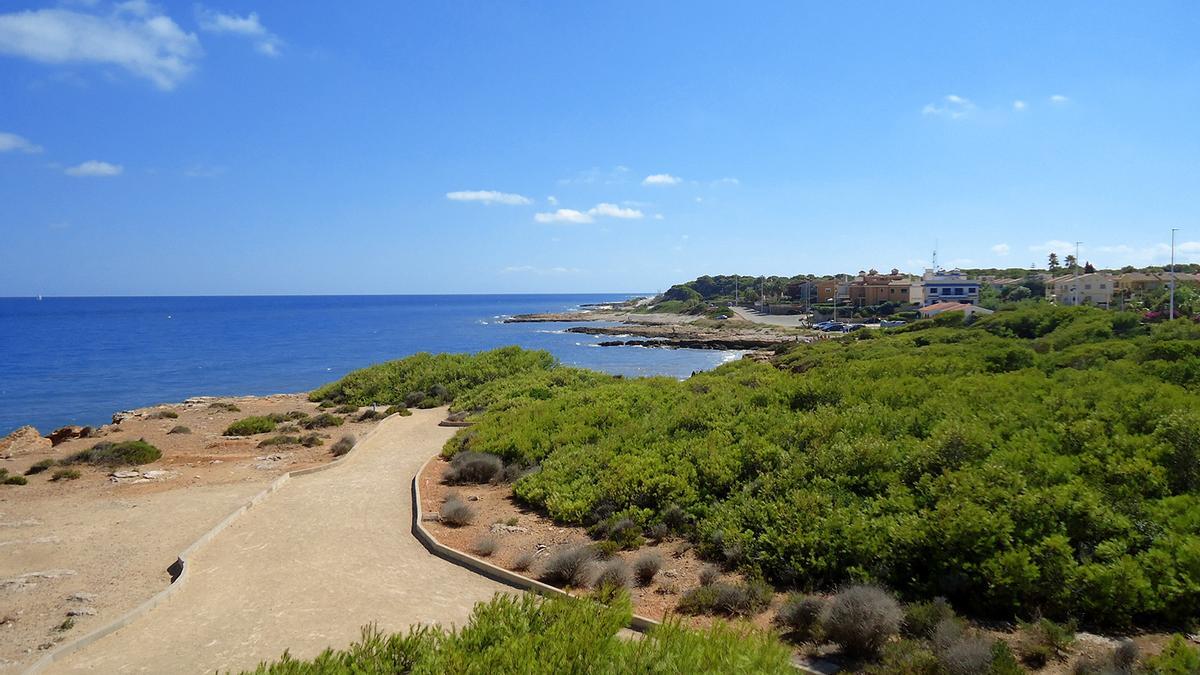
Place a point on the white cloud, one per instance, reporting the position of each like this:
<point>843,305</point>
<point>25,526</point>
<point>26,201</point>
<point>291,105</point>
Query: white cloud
<point>614,211</point>
<point>1059,99</point>
<point>952,106</point>
<point>530,269</point>
<point>1053,246</point>
<point>661,179</point>
<point>728,180</point>
<point>1001,249</point>
<point>247,26</point>
<point>488,197</point>
<point>563,216</point>
<point>658,216</point>
<point>14,143</point>
<point>135,36</point>
<point>94,167</point>
<point>552,200</point>
<point>1019,105</point>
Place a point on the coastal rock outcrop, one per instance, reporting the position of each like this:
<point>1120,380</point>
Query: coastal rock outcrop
<point>23,441</point>
<point>67,433</point>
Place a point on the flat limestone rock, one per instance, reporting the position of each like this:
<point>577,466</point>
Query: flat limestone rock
<point>23,441</point>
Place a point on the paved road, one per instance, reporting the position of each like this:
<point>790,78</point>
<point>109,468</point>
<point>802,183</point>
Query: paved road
<point>791,320</point>
<point>304,570</point>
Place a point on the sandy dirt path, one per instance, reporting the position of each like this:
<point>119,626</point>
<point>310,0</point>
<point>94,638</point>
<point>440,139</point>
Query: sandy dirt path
<point>305,570</point>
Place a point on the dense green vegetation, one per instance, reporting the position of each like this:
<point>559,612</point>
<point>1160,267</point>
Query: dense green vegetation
<point>107,453</point>
<point>530,635</point>
<point>248,426</point>
<point>427,380</point>
<point>1040,461</point>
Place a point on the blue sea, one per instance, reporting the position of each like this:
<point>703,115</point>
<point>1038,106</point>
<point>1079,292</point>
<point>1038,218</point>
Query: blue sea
<point>78,360</point>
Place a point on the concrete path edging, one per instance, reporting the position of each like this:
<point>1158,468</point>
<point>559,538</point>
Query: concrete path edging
<point>639,623</point>
<point>179,569</point>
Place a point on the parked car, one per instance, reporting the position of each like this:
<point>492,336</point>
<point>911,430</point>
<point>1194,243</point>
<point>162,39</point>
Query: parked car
<point>850,328</point>
<point>833,327</point>
<point>891,323</point>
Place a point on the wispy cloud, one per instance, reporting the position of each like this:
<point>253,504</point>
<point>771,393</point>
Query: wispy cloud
<point>614,211</point>
<point>247,26</point>
<point>1053,246</point>
<point>596,175</point>
<point>552,200</point>
<point>661,179</point>
<point>952,106</point>
<point>134,35</point>
<point>1019,105</point>
<point>203,171</point>
<point>563,216</point>
<point>489,197</point>
<point>728,180</point>
<point>14,143</point>
<point>530,269</point>
<point>94,168</point>
<point>1059,99</point>
<point>601,210</point>
<point>1001,249</point>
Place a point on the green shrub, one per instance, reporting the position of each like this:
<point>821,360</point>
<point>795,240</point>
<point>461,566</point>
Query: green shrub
<point>311,440</point>
<point>922,618</point>
<point>800,615</point>
<point>64,474</point>
<point>249,426</point>
<point>179,429</point>
<point>107,453</point>
<point>455,512</point>
<point>397,410</point>
<point>906,657</point>
<point>322,421</point>
<point>1177,658</point>
<point>861,618</point>
<point>371,415</point>
<point>346,409</point>
<point>39,467</point>
<point>1042,641</point>
<point>224,406</point>
<point>163,414</point>
<point>281,439</point>
<point>743,599</point>
<point>569,567</point>
<point>324,404</point>
<point>15,480</point>
<point>342,446</point>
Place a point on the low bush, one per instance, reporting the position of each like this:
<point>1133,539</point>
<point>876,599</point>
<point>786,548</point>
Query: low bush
<point>311,440</point>
<point>969,654</point>
<point>485,546</point>
<point>744,599</point>
<point>414,399</point>
<point>343,445</point>
<point>473,467</point>
<point>295,415</point>
<point>326,404</point>
<point>524,560</point>
<point>39,467</point>
<point>922,618</point>
<point>1121,660</point>
<point>322,421</point>
<point>281,439</point>
<point>800,615</point>
<point>346,409</point>
<point>861,618</point>
<point>249,426</point>
<point>646,567</point>
<point>107,453</point>
<point>64,474</point>
<point>15,480</point>
<point>605,549</point>
<point>224,406</point>
<point>569,567</point>
<point>612,574</point>
<point>1042,641</point>
<point>674,518</point>
<point>397,410</point>
<point>371,415</point>
<point>179,429</point>
<point>906,657</point>
<point>658,532</point>
<point>709,575</point>
<point>163,414</point>
<point>1177,658</point>
<point>455,512</point>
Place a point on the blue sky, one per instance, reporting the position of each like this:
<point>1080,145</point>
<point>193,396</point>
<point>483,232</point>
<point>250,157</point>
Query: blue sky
<point>281,147</point>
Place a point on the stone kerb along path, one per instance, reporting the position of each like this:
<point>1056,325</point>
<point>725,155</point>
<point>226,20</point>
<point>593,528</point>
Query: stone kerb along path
<point>311,560</point>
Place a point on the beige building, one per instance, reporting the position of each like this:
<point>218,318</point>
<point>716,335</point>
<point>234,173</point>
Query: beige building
<point>1095,289</point>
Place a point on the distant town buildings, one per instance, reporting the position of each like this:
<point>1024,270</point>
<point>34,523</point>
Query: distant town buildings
<point>1095,289</point>
<point>937,308</point>
<point>953,286</point>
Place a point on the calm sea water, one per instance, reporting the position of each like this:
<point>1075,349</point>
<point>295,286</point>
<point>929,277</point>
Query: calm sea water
<point>78,360</point>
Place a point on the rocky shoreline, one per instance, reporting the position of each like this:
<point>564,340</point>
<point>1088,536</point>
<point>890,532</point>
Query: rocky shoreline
<point>668,331</point>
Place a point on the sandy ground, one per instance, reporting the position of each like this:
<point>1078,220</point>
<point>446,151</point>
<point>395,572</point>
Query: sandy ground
<point>304,570</point>
<point>97,548</point>
<point>786,320</point>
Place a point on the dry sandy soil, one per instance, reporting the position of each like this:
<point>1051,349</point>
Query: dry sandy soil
<point>93,548</point>
<point>518,529</point>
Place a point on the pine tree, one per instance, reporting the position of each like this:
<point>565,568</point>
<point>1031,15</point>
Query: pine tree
<point>1054,266</point>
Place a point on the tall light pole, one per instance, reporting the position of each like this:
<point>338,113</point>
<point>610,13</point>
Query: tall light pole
<point>1173,231</point>
<point>1075,270</point>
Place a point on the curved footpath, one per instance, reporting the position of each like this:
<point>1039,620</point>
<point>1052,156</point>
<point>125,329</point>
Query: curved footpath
<point>304,570</point>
